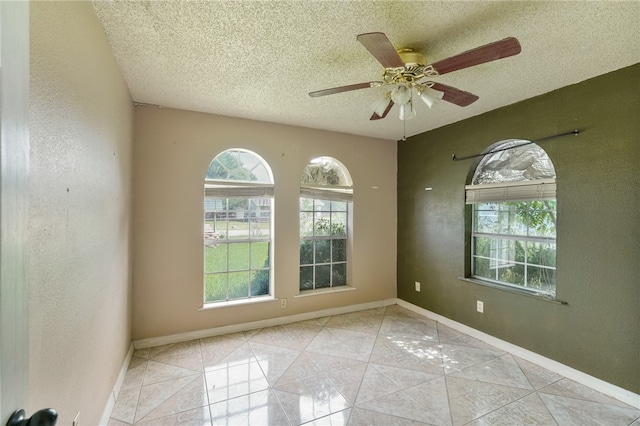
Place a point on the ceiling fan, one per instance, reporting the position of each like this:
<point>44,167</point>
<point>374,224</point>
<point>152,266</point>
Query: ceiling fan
<point>406,72</point>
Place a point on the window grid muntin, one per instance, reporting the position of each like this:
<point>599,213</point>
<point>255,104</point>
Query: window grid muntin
<point>318,210</point>
<point>525,240</point>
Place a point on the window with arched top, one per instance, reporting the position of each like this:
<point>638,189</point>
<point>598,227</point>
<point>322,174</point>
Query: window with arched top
<point>513,235</point>
<point>325,207</point>
<point>238,207</point>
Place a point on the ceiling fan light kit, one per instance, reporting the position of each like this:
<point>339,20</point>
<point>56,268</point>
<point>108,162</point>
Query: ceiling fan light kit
<point>407,71</point>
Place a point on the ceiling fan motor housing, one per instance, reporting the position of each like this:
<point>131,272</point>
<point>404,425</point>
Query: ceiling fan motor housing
<point>412,58</point>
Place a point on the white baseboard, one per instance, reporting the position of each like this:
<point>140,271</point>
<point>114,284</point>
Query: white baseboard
<point>235,328</point>
<point>113,396</point>
<point>613,391</point>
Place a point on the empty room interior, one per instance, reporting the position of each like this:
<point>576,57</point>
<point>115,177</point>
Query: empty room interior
<point>321,212</point>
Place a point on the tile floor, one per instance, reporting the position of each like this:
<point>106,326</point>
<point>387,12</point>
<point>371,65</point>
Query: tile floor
<point>384,366</point>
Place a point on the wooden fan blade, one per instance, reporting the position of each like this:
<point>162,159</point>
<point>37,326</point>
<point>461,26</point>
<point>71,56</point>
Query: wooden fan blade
<point>386,111</point>
<point>487,53</point>
<point>381,48</point>
<point>341,89</point>
<point>455,96</point>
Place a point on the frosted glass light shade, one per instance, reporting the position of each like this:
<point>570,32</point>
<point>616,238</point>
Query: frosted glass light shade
<point>431,97</point>
<point>407,112</point>
<point>380,105</point>
<point>401,94</point>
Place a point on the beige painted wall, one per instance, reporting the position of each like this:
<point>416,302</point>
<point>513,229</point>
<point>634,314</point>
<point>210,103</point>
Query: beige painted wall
<point>80,209</point>
<point>172,152</point>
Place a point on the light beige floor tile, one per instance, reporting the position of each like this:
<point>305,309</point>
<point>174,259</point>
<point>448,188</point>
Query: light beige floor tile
<point>397,366</point>
<point>529,410</point>
<point>337,419</point>
<point>358,349</point>
<point>274,367</point>
<point>258,408</point>
<point>159,372</point>
<point>329,363</point>
<point>578,411</point>
<point>301,368</point>
<point>242,355</point>
<point>216,348</point>
<point>185,355</point>
<point>401,344</point>
<point>454,337</point>
<point>366,323</point>
<point>471,399</point>
<point>427,359</point>
<point>571,389</point>
<point>539,377</point>
<point>159,349</point>
<point>433,396</point>
<point>501,371</point>
<point>135,375</point>
<point>312,404</point>
<point>263,351</point>
<point>193,395</point>
<point>196,417</point>
<point>142,353</point>
<point>422,328</point>
<point>288,337</point>
<point>331,336</point>
<point>348,381</point>
<point>125,407</point>
<point>136,361</point>
<point>399,404</point>
<point>154,395</point>
<point>235,381</point>
<point>455,358</point>
<point>362,417</point>
<point>380,380</point>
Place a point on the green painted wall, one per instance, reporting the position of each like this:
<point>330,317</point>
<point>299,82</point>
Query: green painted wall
<point>598,257</point>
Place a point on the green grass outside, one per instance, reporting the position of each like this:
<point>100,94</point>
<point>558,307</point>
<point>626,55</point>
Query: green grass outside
<point>247,277</point>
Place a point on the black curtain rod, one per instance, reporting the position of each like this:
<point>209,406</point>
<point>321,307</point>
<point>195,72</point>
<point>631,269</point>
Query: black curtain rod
<point>575,132</point>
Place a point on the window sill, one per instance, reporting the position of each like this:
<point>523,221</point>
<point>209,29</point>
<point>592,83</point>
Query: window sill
<point>239,302</point>
<point>539,296</point>
<point>307,293</point>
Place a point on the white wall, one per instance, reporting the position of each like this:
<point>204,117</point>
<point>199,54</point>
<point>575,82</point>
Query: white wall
<point>80,213</point>
<point>172,152</point>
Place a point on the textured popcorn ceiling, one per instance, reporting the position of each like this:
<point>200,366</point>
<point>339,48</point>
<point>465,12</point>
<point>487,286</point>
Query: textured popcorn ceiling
<point>259,60</point>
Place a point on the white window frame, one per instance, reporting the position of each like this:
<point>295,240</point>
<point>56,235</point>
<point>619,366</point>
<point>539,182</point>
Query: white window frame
<point>319,197</point>
<point>322,191</point>
<point>513,183</point>
<point>497,263</point>
<point>218,192</point>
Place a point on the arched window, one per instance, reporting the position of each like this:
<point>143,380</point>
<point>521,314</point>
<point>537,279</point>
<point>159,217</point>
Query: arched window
<point>238,206</point>
<point>325,205</point>
<point>513,236</point>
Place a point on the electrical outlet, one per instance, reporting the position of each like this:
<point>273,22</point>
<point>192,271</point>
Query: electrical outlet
<point>480,306</point>
<point>283,303</point>
<point>417,286</point>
